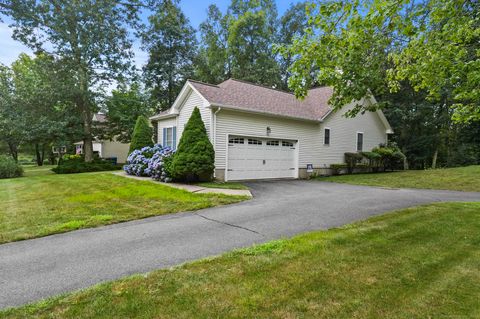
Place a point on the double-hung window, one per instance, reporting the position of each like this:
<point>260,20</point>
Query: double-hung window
<point>169,137</point>
<point>359,141</point>
<point>326,136</point>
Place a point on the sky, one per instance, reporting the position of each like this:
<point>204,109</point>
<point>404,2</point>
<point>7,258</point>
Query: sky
<point>195,10</point>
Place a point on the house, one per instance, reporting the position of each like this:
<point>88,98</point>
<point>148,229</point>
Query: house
<point>262,133</point>
<point>105,148</point>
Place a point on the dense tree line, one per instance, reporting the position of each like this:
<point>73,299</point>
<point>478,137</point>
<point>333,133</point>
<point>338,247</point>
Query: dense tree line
<point>420,59</point>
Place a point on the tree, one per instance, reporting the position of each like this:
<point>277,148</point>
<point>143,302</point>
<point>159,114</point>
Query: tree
<point>40,86</point>
<point>292,24</point>
<point>252,33</point>
<point>213,62</point>
<point>124,106</point>
<point>171,45</point>
<point>90,36</point>
<point>13,126</point>
<point>363,48</point>
<point>195,157</point>
<point>142,134</point>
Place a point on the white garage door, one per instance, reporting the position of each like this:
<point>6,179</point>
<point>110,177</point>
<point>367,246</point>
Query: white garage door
<point>258,158</point>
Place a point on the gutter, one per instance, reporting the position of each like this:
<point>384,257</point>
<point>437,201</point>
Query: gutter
<point>161,117</point>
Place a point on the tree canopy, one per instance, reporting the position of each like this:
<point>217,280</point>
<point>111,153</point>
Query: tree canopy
<point>368,47</point>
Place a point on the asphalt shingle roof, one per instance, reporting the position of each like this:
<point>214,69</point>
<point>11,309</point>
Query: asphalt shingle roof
<point>252,97</point>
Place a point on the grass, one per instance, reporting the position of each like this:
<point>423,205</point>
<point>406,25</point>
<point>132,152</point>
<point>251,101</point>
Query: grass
<point>420,262</point>
<point>33,170</point>
<point>223,185</point>
<point>43,204</point>
<point>460,178</point>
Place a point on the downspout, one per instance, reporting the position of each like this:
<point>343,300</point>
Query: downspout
<point>214,137</point>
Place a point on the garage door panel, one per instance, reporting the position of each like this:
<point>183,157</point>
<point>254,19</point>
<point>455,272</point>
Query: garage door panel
<point>260,158</point>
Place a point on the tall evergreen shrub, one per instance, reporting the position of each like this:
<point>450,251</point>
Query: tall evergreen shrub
<point>195,157</point>
<point>142,135</point>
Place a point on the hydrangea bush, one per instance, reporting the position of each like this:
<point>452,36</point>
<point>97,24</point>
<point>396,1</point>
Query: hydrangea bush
<point>156,166</point>
<point>149,161</point>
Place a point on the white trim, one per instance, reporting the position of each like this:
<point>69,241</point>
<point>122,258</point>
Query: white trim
<point>181,96</point>
<point>162,116</point>
<point>388,129</point>
<point>166,140</point>
<point>363,140</point>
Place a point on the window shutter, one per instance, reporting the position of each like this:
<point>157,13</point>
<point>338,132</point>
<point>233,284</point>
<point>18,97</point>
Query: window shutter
<point>164,137</point>
<point>174,142</point>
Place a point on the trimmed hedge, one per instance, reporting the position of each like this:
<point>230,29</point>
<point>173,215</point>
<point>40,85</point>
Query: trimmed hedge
<point>72,164</point>
<point>9,168</point>
<point>381,158</point>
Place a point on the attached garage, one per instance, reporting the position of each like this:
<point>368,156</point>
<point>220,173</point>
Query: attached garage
<point>261,158</point>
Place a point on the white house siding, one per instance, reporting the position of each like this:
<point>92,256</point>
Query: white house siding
<point>170,122</point>
<point>193,100</point>
<point>237,123</point>
<point>343,135</point>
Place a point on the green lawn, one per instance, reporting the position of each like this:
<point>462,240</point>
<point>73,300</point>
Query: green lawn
<point>42,204</point>
<point>421,262</point>
<point>224,185</point>
<point>33,170</point>
<point>460,178</point>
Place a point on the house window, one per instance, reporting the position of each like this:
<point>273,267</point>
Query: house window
<point>359,142</point>
<point>273,143</point>
<point>236,140</point>
<point>252,141</point>
<point>287,144</point>
<point>326,137</point>
<point>169,137</point>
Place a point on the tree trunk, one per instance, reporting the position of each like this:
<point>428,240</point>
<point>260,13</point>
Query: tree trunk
<point>38,155</point>
<point>13,150</point>
<point>434,159</point>
<point>87,142</point>
<point>84,106</point>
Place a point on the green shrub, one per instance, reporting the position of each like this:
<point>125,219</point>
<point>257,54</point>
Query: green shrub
<point>9,168</point>
<point>142,135</point>
<point>337,168</point>
<point>391,158</point>
<point>194,158</point>
<point>352,159</point>
<point>374,160</point>
<point>78,165</point>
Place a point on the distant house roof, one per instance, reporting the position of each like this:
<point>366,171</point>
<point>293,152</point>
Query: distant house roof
<point>253,97</point>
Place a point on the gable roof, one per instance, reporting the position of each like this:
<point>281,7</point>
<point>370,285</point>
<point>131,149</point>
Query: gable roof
<point>246,96</point>
<point>250,97</point>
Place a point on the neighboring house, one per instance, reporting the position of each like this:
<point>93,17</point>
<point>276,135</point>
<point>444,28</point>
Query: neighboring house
<point>261,133</point>
<point>106,148</point>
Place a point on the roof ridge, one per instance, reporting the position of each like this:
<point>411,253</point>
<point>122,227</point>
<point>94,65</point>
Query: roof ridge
<point>200,82</point>
<point>260,85</point>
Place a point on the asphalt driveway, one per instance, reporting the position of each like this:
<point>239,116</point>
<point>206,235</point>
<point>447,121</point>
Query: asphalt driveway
<point>35,269</point>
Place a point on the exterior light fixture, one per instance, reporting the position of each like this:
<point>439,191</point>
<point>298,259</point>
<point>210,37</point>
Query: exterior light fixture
<point>269,130</point>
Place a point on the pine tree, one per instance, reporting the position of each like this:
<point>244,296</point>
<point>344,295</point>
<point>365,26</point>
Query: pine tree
<point>142,134</point>
<point>195,157</point>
